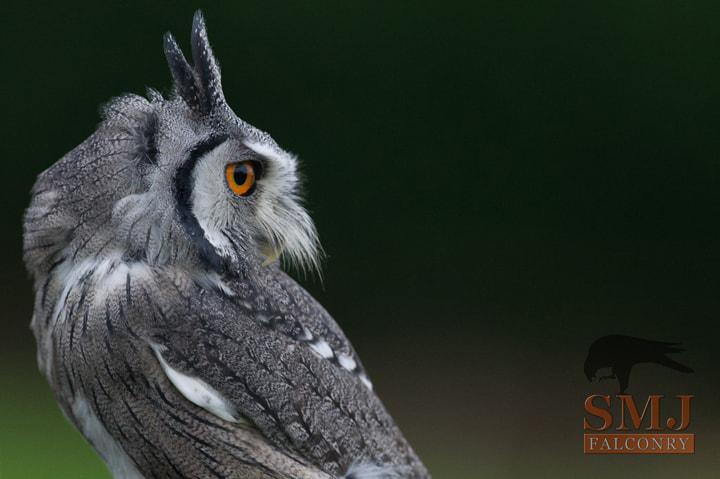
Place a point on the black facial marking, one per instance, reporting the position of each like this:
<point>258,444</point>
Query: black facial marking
<point>183,195</point>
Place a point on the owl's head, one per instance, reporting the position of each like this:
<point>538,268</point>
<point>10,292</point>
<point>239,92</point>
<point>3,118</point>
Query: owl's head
<point>179,180</point>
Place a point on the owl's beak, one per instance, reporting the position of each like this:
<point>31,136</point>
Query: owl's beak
<point>271,255</point>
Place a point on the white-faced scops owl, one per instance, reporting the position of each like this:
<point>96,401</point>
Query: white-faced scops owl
<point>165,325</point>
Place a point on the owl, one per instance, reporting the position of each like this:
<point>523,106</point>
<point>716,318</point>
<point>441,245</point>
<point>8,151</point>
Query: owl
<point>165,325</point>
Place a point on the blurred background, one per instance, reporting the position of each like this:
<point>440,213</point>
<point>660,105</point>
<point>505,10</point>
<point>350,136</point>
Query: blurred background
<point>496,185</point>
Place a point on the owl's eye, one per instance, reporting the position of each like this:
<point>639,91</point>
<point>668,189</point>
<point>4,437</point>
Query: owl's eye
<point>242,176</point>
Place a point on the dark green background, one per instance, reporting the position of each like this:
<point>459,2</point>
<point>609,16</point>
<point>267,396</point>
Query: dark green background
<point>496,184</point>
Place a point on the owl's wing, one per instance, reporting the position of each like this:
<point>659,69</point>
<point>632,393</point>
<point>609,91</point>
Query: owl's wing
<point>286,307</point>
<point>224,353</point>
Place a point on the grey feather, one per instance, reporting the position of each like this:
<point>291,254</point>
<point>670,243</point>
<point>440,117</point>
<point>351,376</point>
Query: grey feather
<point>165,325</point>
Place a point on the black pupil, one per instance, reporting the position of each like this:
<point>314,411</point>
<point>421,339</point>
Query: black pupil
<point>240,174</point>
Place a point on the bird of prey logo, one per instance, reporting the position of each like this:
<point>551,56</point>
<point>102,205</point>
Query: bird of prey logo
<point>620,353</point>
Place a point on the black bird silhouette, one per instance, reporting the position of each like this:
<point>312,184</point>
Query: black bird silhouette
<point>621,353</point>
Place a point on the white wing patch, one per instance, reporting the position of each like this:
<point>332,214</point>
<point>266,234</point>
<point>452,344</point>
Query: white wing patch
<point>322,348</point>
<point>373,471</point>
<point>198,391</point>
<point>366,381</point>
<point>347,362</point>
<point>117,459</point>
<point>213,280</point>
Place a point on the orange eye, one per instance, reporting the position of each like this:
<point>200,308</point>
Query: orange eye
<point>241,177</point>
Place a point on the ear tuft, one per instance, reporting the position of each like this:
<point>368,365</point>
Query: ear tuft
<point>181,71</point>
<point>198,85</point>
<point>206,66</point>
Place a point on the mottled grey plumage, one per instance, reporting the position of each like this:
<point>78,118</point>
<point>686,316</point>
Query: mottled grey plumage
<point>168,331</point>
